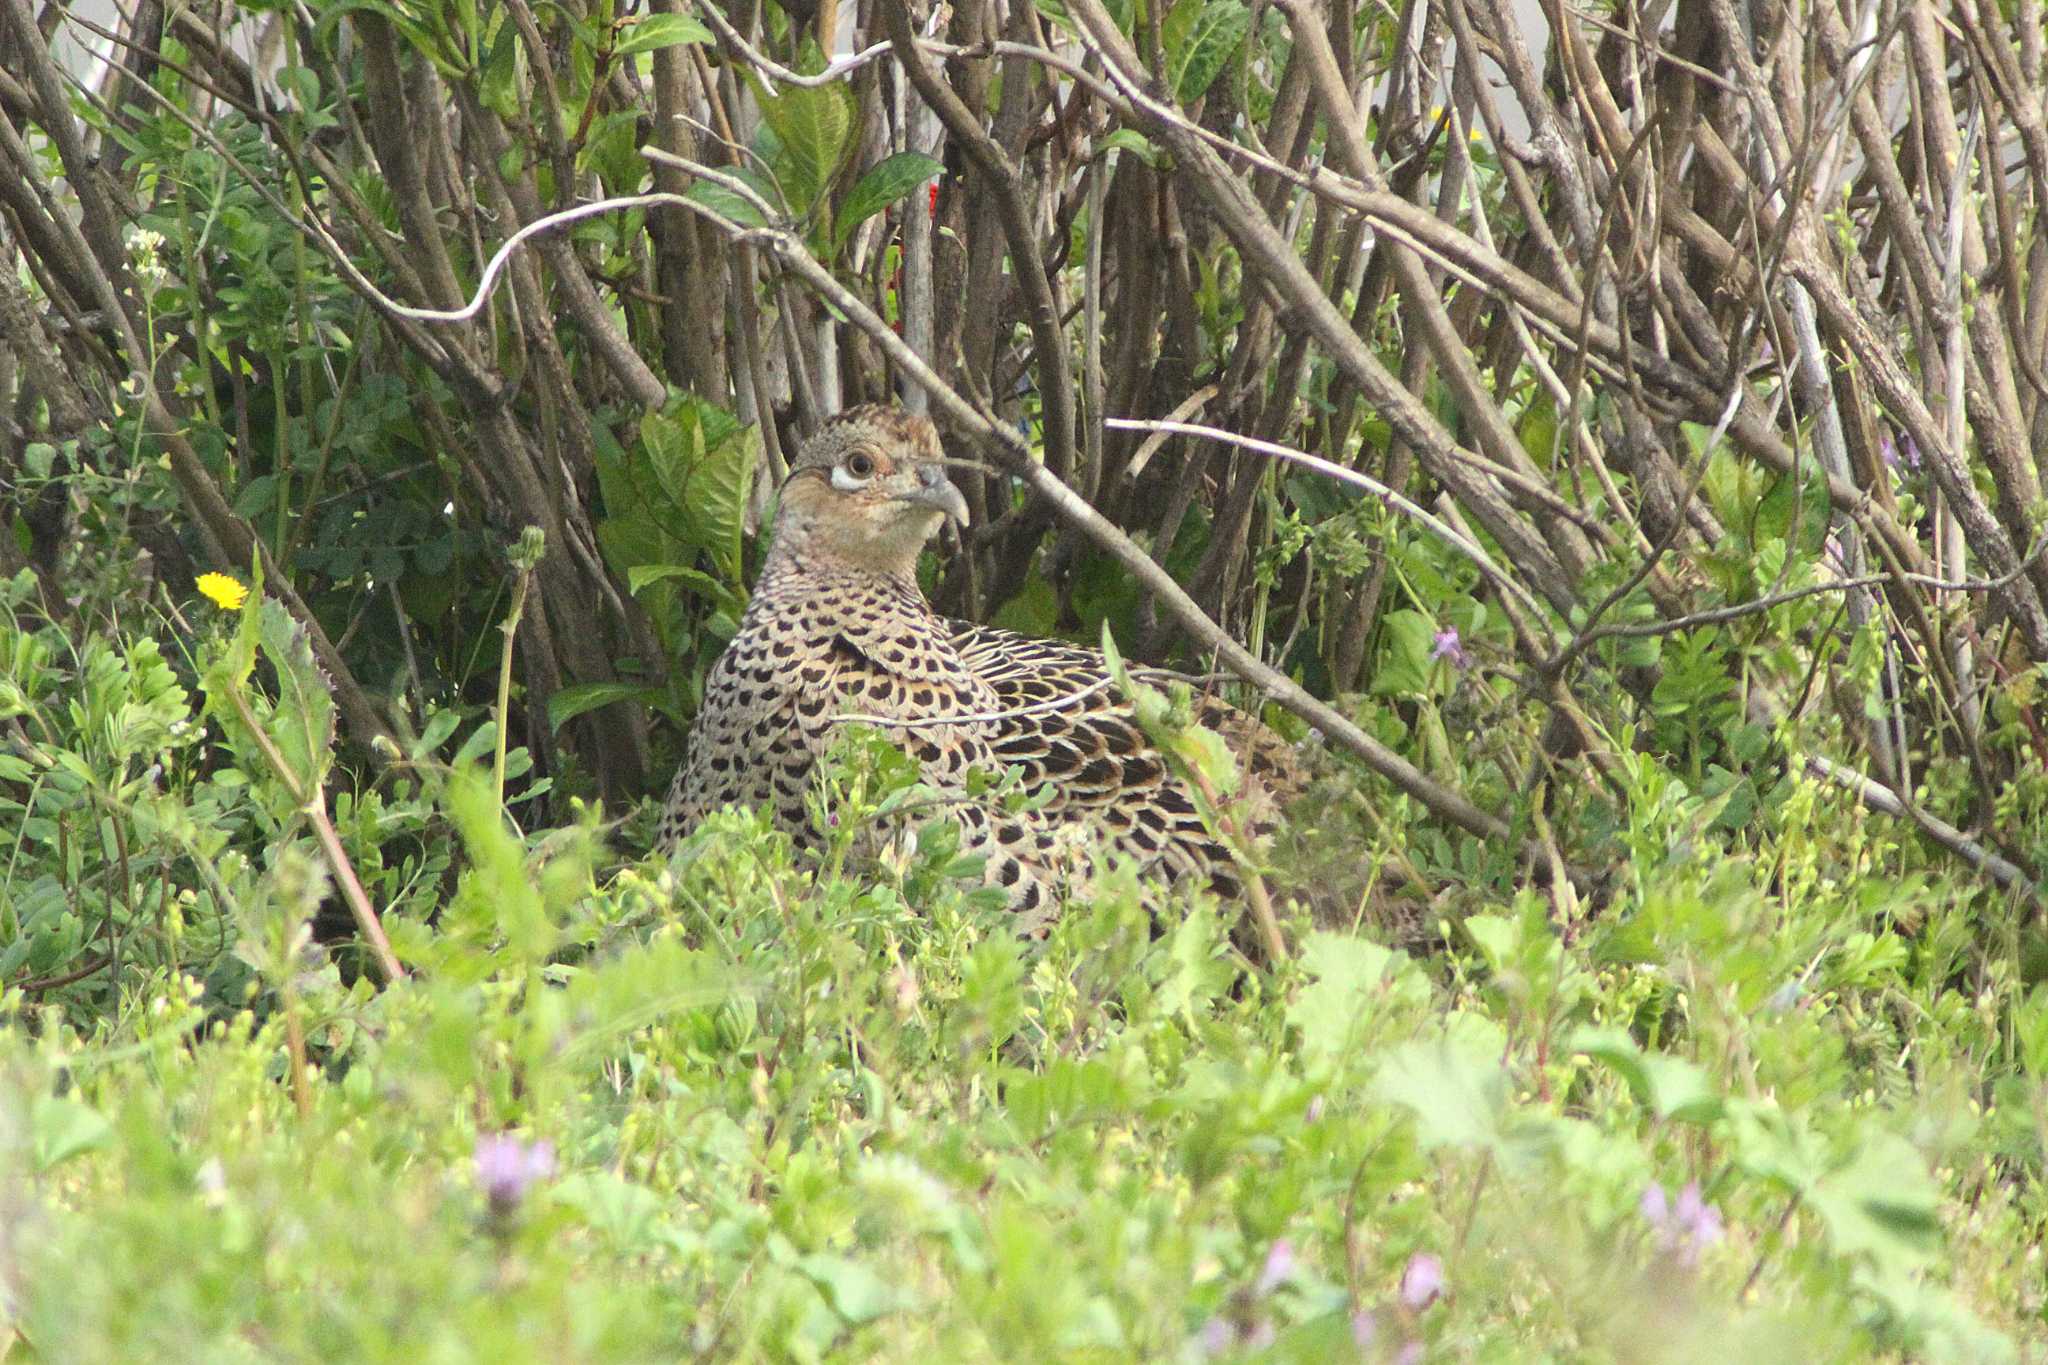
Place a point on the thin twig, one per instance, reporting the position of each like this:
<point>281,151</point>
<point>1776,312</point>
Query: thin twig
<point>1463,544</point>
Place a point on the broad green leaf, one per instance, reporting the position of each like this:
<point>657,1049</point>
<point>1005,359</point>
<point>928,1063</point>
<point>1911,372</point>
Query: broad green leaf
<point>856,1291</point>
<point>1208,41</point>
<point>703,462</point>
<point>1872,1190</point>
<point>440,725</point>
<point>1404,657</point>
<point>1670,1087</point>
<point>1357,983</point>
<point>498,87</point>
<point>1137,144</point>
<point>812,131</point>
<point>653,31</point>
<point>579,698</point>
<point>885,182</point>
<point>1459,1097</point>
<point>625,1214</point>
<point>64,1129</point>
<point>696,580</point>
<point>256,497</point>
<point>726,203</point>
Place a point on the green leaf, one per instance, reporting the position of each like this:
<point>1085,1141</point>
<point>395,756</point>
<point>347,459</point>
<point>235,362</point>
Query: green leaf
<point>727,204</point>
<point>495,895</point>
<point>625,1214</point>
<point>1871,1188</point>
<point>856,1291</point>
<point>1199,45</point>
<point>304,714</point>
<point>885,182</point>
<point>652,31</point>
<point>299,723</point>
<point>703,461</point>
<point>812,129</point>
<point>1137,144</point>
<point>992,989</point>
<point>1356,984</point>
<point>1459,1097</point>
<point>1404,658</point>
<point>498,86</point>
<point>573,701</point>
<point>256,496</point>
<point>64,1129</point>
<point>1670,1087</point>
<point>703,584</point>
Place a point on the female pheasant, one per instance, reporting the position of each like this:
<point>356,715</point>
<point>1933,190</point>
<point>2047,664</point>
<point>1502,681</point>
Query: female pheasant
<point>838,627</point>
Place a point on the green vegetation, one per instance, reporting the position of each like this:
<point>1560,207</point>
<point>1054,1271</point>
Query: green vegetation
<point>1665,624</point>
<point>1780,1100</point>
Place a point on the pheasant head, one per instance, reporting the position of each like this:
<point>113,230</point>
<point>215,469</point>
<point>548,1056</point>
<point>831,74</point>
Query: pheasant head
<point>866,493</point>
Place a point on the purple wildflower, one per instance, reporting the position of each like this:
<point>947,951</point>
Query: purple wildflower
<point>1697,1216</point>
<point>1422,1283</point>
<point>1689,1227</point>
<point>1364,1327</point>
<point>1218,1336</point>
<point>1888,450</point>
<point>1279,1268</point>
<point>1909,451</point>
<point>506,1167</point>
<point>1448,647</point>
<point>1315,1110</point>
<point>1409,1354</point>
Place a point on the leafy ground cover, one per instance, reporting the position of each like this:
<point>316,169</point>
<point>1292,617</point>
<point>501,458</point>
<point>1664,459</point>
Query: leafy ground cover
<point>1767,1096</point>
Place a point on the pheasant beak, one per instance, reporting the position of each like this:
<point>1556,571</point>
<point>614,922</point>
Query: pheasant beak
<point>936,491</point>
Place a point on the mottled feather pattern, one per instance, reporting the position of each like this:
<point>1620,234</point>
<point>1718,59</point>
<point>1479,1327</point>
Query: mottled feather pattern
<point>837,627</point>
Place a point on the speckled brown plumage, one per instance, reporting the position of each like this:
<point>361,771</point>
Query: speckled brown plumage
<point>837,626</point>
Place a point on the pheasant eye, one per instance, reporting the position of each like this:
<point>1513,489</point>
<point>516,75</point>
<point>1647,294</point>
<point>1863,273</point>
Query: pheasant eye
<point>860,466</point>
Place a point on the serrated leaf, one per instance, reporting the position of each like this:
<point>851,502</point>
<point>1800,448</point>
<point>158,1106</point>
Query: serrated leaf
<point>652,31</point>
<point>256,496</point>
<point>1356,982</point>
<point>1874,1192</point>
<point>884,183</point>
<point>1459,1097</point>
<point>304,712</point>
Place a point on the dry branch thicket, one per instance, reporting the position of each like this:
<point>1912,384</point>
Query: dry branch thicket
<point>1653,322</point>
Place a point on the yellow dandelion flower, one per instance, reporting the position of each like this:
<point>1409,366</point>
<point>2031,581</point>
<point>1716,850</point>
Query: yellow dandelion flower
<point>224,592</point>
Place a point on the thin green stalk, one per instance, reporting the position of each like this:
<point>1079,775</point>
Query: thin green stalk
<point>526,557</point>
